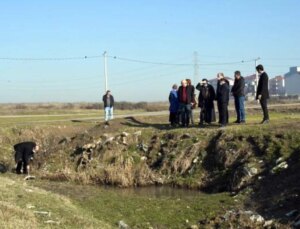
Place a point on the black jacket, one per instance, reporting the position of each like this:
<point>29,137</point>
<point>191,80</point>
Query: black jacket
<point>190,90</point>
<point>238,88</point>
<point>223,94</point>
<point>24,150</point>
<point>263,86</point>
<point>206,95</point>
<point>112,101</point>
<point>218,87</point>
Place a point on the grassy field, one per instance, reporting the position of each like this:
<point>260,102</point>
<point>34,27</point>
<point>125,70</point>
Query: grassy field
<point>83,206</point>
<point>25,206</point>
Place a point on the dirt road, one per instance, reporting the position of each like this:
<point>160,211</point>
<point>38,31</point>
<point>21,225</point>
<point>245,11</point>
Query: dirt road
<point>51,118</point>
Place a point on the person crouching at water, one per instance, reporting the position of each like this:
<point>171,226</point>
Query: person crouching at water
<point>24,154</point>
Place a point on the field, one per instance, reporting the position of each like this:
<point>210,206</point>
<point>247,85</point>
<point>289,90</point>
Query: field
<point>142,150</point>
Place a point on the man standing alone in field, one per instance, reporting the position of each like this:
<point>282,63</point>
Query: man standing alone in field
<point>24,153</point>
<point>108,101</point>
<point>262,93</point>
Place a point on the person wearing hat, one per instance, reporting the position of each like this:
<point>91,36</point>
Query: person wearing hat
<point>206,102</point>
<point>24,154</point>
<point>108,101</point>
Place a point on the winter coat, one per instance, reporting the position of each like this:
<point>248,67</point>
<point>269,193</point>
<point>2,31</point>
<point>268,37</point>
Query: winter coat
<point>206,95</point>
<point>218,88</point>
<point>104,99</point>
<point>174,101</point>
<point>189,92</point>
<point>223,94</point>
<point>24,151</point>
<point>263,86</point>
<point>238,88</point>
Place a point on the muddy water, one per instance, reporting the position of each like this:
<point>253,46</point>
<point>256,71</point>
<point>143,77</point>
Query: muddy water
<point>160,207</point>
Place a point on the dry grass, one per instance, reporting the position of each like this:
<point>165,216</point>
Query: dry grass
<point>21,204</point>
<point>12,216</point>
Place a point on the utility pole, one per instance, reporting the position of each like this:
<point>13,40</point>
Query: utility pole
<point>256,75</point>
<point>196,68</point>
<point>105,69</point>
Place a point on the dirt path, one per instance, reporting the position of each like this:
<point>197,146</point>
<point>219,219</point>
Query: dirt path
<point>99,118</point>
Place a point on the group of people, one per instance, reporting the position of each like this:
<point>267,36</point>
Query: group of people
<point>183,100</point>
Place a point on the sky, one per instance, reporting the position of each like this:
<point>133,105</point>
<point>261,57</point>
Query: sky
<point>52,50</point>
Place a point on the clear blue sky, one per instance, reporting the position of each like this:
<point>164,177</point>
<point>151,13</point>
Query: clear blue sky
<point>154,31</point>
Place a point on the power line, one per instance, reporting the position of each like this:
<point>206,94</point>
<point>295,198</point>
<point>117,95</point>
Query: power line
<point>118,58</point>
<point>48,59</point>
<point>176,64</point>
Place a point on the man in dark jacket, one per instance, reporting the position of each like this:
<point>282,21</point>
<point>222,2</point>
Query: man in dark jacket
<point>206,102</point>
<point>24,153</point>
<point>223,99</point>
<point>239,97</point>
<point>185,96</point>
<point>220,76</point>
<point>108,101</point>
<point>262,93</point>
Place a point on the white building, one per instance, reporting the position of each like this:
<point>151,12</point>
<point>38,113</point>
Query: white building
<point>292,81</point>
<point>277,86</point>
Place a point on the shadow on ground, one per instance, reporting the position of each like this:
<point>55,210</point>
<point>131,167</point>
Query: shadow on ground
<point>133,122</point>
<point>278,194</point>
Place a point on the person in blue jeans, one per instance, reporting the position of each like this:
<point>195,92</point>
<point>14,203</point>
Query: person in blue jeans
<point>108,101</point>
<point>185,96</point>
<point>238,92</point>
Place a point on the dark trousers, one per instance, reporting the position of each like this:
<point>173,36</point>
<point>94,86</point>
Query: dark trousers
<point>19,166</point>
<point>202,115</point>
<point>173,118</point>
<point>21,162</point>
<point>185,110</point>
<point>223,113</point>
<point>264,107</point>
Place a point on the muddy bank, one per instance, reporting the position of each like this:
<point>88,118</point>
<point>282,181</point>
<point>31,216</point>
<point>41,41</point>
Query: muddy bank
<point>248,161</point>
